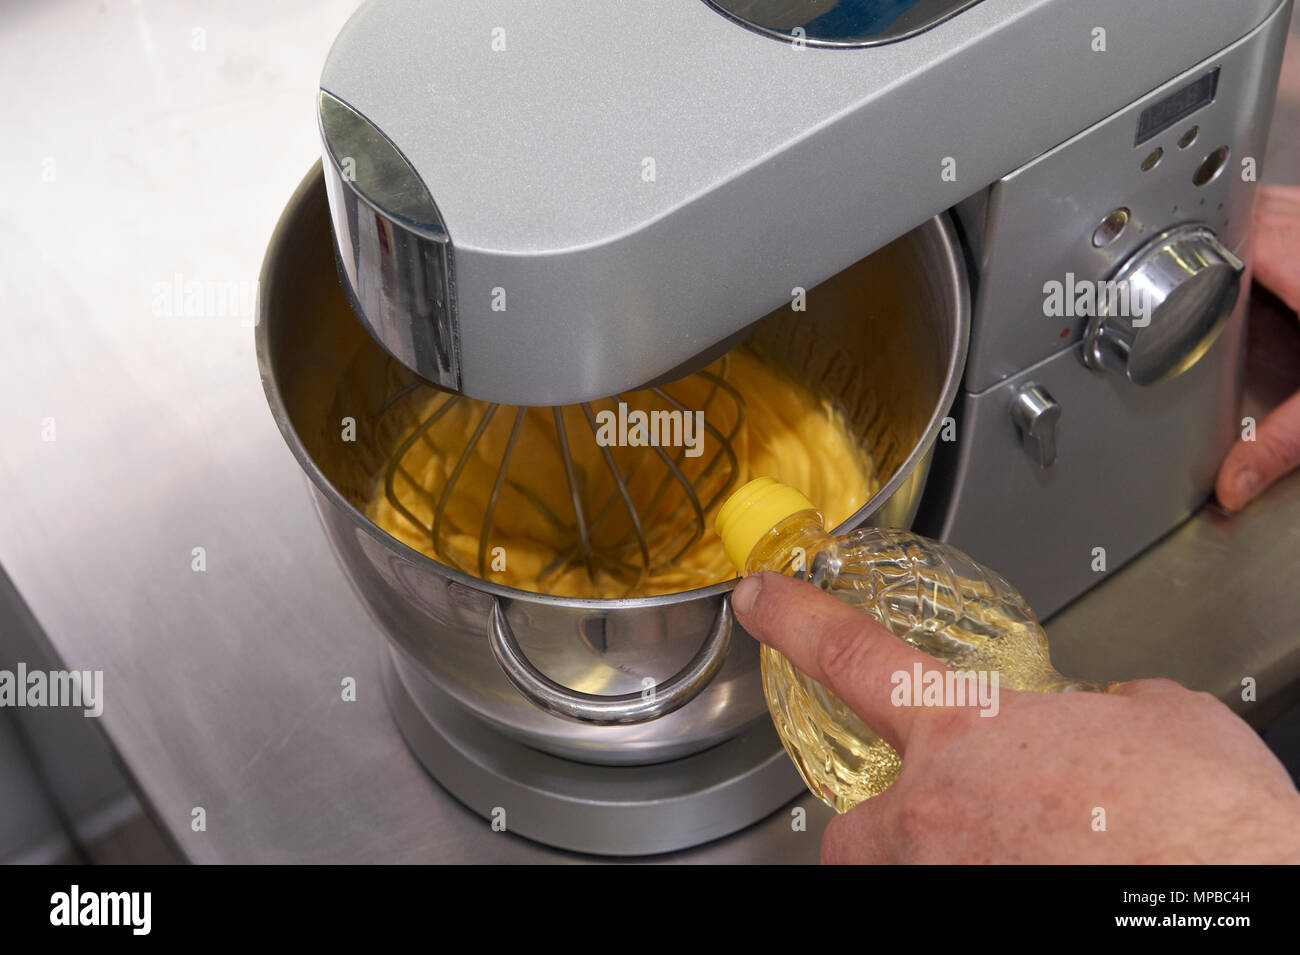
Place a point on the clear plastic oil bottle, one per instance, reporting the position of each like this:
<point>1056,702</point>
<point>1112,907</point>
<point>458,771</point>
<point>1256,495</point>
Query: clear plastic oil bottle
<point>929,594</point>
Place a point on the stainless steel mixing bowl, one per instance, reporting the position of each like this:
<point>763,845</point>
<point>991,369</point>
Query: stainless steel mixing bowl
<point>612,682</point>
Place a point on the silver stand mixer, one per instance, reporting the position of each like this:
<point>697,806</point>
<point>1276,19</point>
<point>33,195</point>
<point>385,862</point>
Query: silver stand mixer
<point>543,205</point>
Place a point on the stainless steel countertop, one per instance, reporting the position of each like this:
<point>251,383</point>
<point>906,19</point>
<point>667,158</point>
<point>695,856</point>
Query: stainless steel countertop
<point>157,146</point>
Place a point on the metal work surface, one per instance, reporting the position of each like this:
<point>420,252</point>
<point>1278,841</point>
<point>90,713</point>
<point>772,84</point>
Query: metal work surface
<point>133,430</point>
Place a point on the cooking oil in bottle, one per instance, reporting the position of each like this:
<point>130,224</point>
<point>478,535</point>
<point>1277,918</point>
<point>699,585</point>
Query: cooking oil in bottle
<point>929,594</point>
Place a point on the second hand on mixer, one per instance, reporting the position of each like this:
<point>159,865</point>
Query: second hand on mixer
<point>554,500</point>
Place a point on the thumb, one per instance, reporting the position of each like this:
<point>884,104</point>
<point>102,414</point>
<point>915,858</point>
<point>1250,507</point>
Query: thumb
<point>1252,466</point>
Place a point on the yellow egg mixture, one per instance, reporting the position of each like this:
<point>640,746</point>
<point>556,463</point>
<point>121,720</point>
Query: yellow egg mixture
<point>528,538</point>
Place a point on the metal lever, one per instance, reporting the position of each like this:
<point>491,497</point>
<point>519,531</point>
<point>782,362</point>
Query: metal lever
<point>1036,413</point>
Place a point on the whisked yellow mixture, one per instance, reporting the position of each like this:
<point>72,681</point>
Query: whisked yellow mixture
<point>488,489</point>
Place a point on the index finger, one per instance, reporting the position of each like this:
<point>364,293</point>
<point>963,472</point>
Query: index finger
<point>840,647</point>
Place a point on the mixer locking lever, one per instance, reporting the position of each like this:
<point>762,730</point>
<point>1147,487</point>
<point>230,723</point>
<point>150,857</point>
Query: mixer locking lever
<point>1036,413</point>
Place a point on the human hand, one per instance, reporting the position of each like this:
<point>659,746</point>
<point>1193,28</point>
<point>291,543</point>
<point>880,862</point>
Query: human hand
<point>1179,777</point>
<point>1252,466</point>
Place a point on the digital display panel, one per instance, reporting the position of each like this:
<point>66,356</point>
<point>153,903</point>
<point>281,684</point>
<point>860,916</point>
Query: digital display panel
<point>1179,105</point>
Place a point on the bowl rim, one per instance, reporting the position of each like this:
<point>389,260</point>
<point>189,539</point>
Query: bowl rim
<point>956,276</point>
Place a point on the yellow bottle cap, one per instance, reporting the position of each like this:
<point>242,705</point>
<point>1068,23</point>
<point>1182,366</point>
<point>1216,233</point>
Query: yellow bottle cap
<point>750,514</point>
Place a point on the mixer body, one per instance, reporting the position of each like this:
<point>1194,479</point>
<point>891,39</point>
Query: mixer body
<point>1085,433</point>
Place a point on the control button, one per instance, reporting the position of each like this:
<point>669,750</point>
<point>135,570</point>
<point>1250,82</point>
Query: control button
<point>1153,159</point>
<point>1189,137</point>
<point>1036,413</point>
<point>1213,165</point>
<point>1111,228</point>
<point>1177,294</point>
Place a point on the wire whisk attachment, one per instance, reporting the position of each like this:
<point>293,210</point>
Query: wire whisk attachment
<point>599,499</point>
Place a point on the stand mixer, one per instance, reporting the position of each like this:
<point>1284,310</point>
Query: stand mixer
<point>545,205</point>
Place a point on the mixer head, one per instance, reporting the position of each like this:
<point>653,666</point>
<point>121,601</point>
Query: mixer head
<point>550,203</point>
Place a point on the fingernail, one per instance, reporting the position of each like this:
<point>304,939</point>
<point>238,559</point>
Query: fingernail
<point>746,592</point>
<point>1246,486</point>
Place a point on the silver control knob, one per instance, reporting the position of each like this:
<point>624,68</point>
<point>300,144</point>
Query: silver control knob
<point>1169,304</point>
<point>1036,413</point>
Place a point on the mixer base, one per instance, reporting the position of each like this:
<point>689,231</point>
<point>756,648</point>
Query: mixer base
<point>606,810</point>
